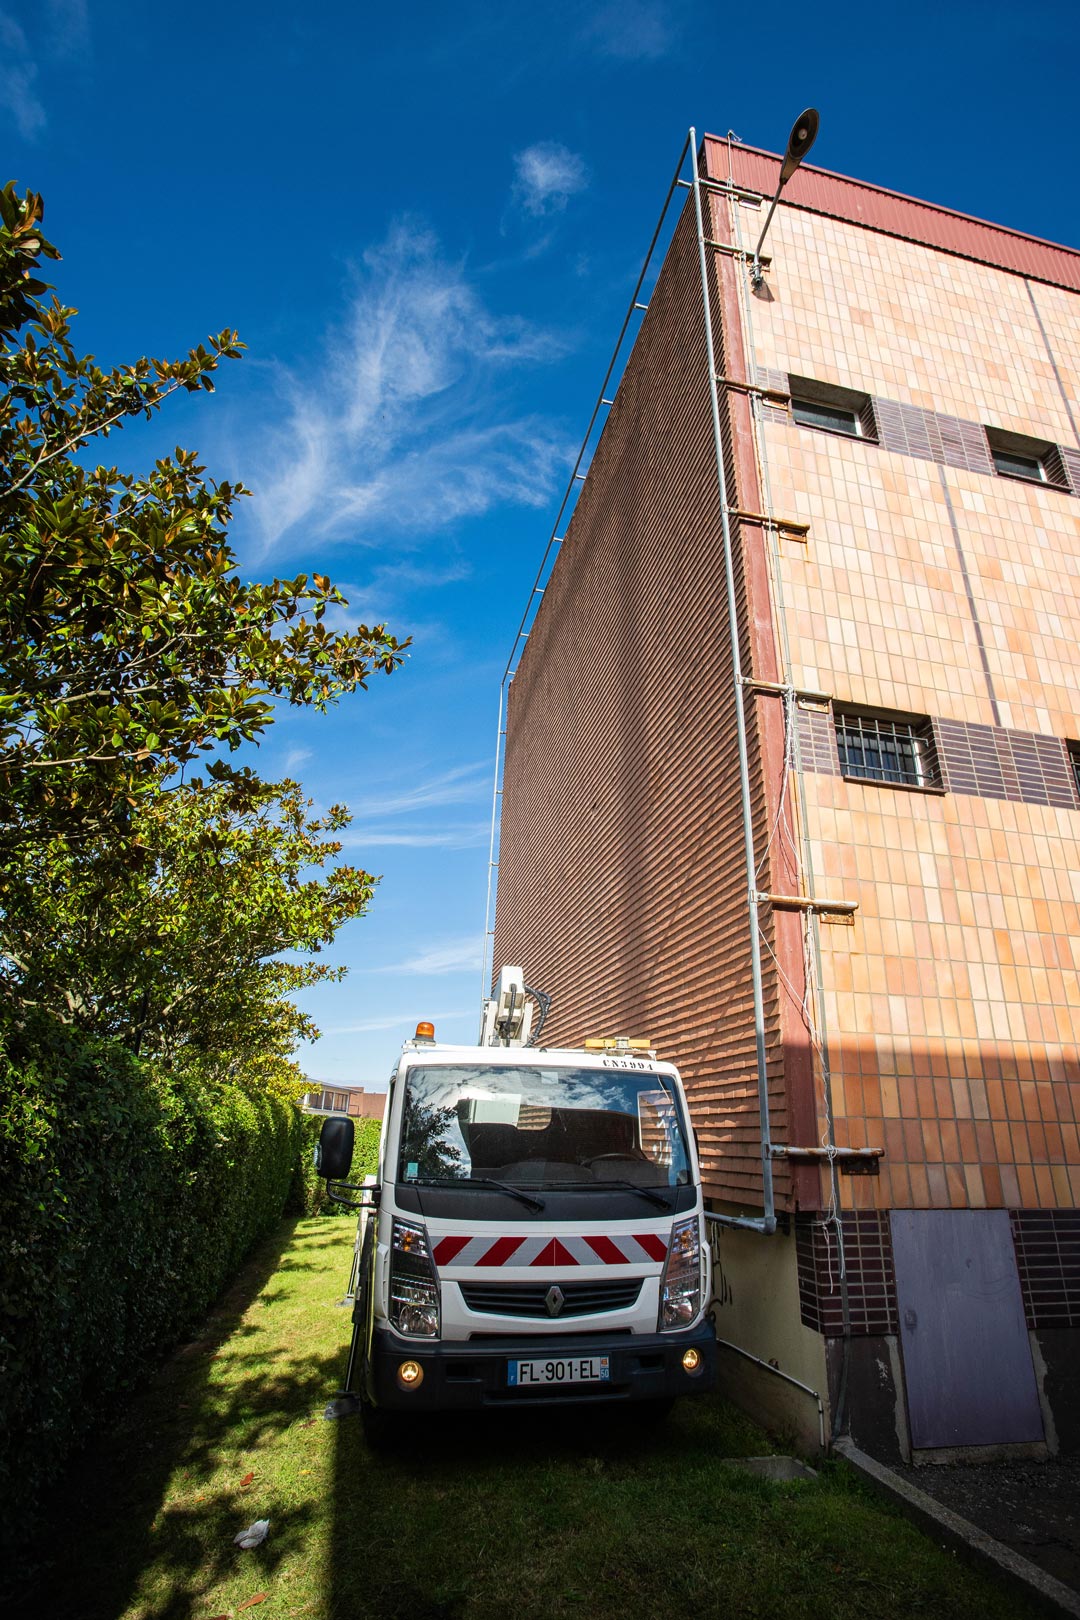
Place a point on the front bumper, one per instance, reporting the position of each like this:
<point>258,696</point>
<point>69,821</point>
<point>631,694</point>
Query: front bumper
<point>471,1374</point>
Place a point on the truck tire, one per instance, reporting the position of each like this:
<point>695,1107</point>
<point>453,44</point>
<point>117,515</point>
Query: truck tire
<point>356,1367</point>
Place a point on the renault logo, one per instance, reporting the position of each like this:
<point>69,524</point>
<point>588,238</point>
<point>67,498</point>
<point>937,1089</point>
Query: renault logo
<point>554,1299</point>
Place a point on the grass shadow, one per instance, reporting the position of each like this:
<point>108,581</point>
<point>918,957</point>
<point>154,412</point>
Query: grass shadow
<point>547,1514</point>
<point>180,1428</point>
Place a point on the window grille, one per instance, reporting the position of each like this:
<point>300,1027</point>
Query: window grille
<point>876,748</point>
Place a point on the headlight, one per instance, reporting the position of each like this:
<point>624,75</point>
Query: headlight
<point>414,1283</point>
<point>680,1286</point>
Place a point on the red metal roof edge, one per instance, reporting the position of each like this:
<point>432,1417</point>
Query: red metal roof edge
<point>1038,243</point>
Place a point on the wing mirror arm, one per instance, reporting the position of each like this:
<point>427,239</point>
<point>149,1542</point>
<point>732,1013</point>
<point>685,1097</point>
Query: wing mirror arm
<point>335,1191</point>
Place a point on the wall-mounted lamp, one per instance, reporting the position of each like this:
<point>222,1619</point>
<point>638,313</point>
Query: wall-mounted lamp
<point>803,135</point>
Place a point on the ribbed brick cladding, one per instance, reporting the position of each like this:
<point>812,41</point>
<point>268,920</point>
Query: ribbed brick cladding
<point>622,887</point>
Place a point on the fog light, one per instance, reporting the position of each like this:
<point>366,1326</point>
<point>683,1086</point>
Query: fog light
<point>410,1375</point>
<point>691,1360</point>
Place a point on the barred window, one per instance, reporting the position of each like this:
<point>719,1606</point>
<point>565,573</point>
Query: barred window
<point>881,748</point>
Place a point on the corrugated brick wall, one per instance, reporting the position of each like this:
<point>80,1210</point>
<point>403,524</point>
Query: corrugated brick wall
<point>622,886</point>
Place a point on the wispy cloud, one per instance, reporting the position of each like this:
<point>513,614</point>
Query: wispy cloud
<point>64,27</point>
<point>397,429</point>
<point>462,784</point>
<point>413,818</point>
<point>632,30</point>
<point>546,176</point>
<point>470,835</point>
<point>69,27</point>
<point>18,78</point>
<point>392,591</point>
<point>370,1026</point>
<point>452,956</point>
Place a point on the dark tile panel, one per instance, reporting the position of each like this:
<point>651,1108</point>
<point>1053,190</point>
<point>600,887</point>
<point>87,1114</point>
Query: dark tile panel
<point>767,377</point>
<point>1047,1243</point>
<point>986,762</point>
<point>952,441</point>
<point>817,742</point>
<point>868,1269</point>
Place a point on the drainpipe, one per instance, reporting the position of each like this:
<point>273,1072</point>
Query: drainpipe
<point>766,1222</point>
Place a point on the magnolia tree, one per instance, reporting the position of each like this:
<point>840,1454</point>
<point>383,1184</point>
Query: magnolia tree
<point>128,643</point>
<point>130,647</point>
<point>177,949</point>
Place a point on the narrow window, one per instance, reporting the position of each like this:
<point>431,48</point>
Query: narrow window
<point>831,409</point>
<point>1013,465</point>
<point>1036,461</point>
<point>833,418</point>
<point>881,748</point>
<point>1073,749</point>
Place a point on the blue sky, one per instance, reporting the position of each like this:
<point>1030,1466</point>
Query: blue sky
<point>425,223</point>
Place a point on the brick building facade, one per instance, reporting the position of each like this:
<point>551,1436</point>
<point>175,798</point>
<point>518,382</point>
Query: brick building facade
<point>351,1100</point>
<point>898,464</point>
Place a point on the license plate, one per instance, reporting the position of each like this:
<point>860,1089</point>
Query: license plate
<point>562,1370</point>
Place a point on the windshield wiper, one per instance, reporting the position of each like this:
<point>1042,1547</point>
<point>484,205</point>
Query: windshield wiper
<point>650,1193</point>
<point>487,1181</point>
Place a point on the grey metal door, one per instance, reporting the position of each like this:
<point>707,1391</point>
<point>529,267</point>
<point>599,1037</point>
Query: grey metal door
<point>967,1359</point>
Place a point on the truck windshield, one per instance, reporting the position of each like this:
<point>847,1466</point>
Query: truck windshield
<point>541,1127</point>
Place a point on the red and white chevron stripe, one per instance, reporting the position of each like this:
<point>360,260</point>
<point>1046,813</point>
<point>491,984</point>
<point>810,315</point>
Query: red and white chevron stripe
<point>628,1250</point>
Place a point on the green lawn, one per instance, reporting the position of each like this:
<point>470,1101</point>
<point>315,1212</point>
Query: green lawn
<point>486,1516</point>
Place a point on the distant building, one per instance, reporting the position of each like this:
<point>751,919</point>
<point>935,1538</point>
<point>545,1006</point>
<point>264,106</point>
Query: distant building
<point>351,1100</point>
<point>898,451</point>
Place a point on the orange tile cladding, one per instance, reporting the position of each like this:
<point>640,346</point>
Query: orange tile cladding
<point>952,1006</point>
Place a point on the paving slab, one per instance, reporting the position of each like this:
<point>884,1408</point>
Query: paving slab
<point>775,1468</point>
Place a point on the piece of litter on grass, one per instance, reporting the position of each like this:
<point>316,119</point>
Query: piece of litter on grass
<point>248,1603</point>
<point>340,1407</point>
<point>254,1535</point>
<point>247,1479</point>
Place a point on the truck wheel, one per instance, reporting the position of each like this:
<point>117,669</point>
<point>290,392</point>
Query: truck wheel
<point>356,1370</point>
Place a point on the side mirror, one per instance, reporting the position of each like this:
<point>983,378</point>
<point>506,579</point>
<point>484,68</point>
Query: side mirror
<point>334,1149</point>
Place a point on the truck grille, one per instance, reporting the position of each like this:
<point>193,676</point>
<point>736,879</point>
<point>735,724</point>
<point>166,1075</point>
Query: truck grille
<point>530,1299</point>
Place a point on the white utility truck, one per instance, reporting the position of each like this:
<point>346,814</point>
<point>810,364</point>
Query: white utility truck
<point>535,1232</point>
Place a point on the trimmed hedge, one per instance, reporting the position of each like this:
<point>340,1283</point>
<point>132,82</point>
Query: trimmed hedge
<point>308,1196</point>
<point>128,1198</point>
